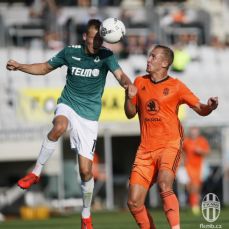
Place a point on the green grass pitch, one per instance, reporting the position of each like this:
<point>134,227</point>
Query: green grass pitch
<point>116,220</point>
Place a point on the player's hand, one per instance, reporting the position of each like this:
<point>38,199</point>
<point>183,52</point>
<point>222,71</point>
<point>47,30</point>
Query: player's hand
<point>213,102</point>
<point>131,91</point>
<point>12,65</point>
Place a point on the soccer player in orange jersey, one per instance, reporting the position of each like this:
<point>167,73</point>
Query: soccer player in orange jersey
<point>157,100</point>
<point>195,147</point>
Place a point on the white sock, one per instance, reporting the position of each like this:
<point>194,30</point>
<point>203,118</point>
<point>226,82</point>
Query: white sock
<point>87,192</point>
<point>46,152</point>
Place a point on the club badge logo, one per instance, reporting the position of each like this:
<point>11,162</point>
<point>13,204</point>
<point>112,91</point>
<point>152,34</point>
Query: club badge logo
<point>210,207</point>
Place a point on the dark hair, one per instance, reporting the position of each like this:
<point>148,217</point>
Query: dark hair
<point>168,52</point>
<point>93,23</point>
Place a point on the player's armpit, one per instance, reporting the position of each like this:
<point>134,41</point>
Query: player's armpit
<point>49,68</point>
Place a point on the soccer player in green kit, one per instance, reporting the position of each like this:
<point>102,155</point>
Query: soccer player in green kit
<point>78,107</point>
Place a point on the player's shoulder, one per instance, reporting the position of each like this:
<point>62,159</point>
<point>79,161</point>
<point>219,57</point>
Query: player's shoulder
<point>141,79</point>
<point>73,48</point>
<point>175,81</point>
<point>105,52</point>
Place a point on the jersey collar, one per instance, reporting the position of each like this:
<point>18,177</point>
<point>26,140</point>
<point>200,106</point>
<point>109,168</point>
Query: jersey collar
<point>160,81</point>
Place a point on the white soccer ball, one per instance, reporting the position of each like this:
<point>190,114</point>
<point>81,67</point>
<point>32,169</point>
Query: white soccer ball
<point>112,30</point>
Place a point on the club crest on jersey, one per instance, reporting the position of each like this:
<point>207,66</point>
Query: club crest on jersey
<point>85,72</point>
<point>152,106</point>
<point>166,91</point>
<point>97,59</point>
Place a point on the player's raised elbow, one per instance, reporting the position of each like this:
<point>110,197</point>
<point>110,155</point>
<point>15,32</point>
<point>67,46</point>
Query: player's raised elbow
<point>130,109</point>
<point>129,114</point>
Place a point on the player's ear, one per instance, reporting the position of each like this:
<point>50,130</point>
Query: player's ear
<point>84,36</point>
<point>165,64</point>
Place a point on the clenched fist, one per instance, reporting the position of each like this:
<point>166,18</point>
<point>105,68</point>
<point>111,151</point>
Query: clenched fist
<point>12,65</point>
<point>131,91</point>
<point>213,102</point>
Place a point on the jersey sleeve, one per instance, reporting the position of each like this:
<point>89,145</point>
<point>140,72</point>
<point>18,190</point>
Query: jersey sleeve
<point>186,96</point>
<point>59,59</point>
<point>112,63</point>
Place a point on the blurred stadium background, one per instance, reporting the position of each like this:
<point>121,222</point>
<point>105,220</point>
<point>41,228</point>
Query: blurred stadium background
<point>34,30</point>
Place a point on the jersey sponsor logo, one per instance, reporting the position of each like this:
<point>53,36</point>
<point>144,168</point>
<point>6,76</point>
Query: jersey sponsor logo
<point>97,59</point>
<point>85,72</point>
<point>76,58</point>
<point>152,119</point>
<point>152,106</point>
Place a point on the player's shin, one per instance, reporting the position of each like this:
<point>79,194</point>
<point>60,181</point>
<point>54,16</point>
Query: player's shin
<point>47,149</point>
<point>171,208</point>
<point>87,188</point>
<point>142,217</point>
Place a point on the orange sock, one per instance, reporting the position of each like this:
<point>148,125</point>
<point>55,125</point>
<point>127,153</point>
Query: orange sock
<point>143,218</point>
<point>171,208</point>
<point>152,225</point>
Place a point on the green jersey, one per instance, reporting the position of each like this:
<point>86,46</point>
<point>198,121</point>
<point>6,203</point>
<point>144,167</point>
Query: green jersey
<point>85,79</point>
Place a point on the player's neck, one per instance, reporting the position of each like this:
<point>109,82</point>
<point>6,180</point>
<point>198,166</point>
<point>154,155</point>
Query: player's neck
<point>158,77</point>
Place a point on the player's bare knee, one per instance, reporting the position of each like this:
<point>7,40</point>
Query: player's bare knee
<point>164,186</point>
<point>133,203</point>
<point>58,130</point>
<point>85,174</point>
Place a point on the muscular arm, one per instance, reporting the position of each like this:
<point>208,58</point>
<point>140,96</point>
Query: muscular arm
<point>206,109</point>
<point>131,91</point>
<point>34,69</point>
<point>129,107</point>
<point>122,78</point>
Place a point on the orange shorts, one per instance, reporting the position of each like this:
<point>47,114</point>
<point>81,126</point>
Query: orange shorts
<point>147,165</point>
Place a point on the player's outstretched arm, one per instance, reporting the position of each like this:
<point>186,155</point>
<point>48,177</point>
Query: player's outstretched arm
<point>206,109</point>
<point>122,78</point>
<point>129,107</point>
<point>34,69</point>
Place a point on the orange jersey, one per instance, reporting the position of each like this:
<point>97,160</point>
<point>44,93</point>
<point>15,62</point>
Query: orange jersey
<point>193,160</point>
<point>157,106</point>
